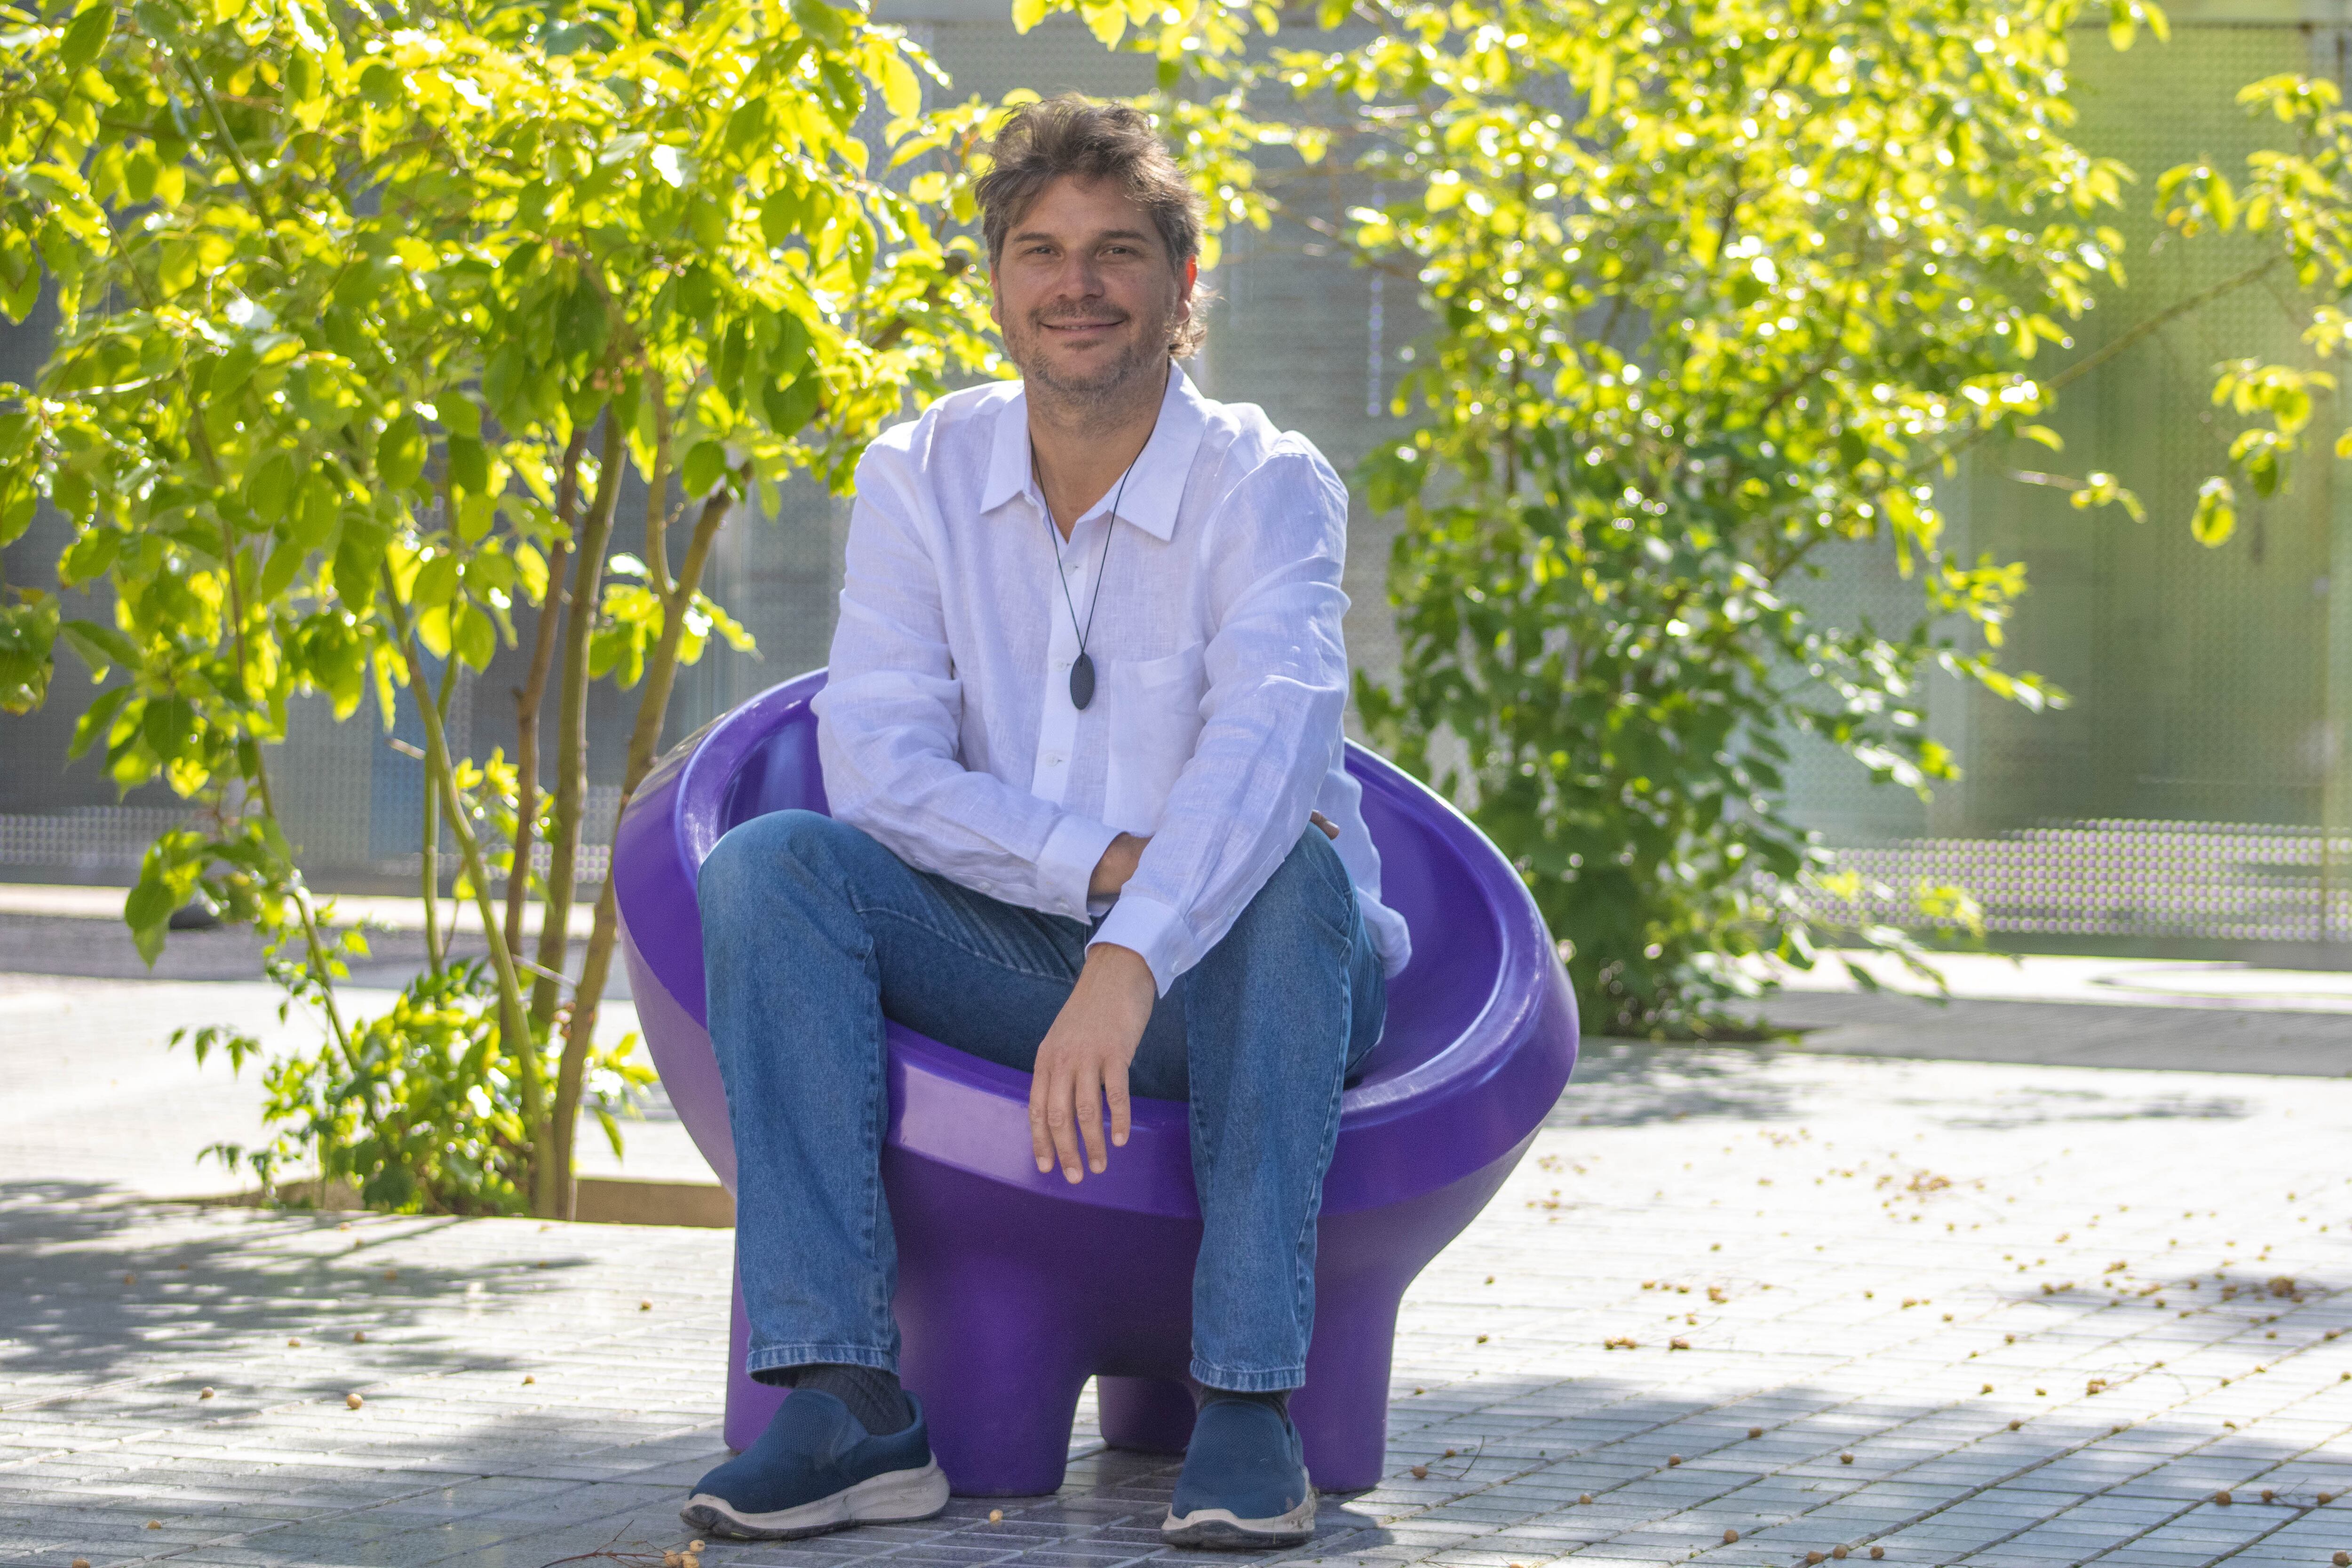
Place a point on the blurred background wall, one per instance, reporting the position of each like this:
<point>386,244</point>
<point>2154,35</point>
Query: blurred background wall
<point>2183,802</point>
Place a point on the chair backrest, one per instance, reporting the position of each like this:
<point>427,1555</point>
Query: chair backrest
<point>1456,932</point>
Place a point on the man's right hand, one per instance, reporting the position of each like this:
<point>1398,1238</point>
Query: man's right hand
<point>1126,851</point>
<point>1117,865</point>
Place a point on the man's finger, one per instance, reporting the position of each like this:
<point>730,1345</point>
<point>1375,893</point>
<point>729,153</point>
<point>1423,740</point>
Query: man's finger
<point>1041,1142</point>
<point>1089,1086</point>
<point>1114,1091</point>
<point>1060,1101</point>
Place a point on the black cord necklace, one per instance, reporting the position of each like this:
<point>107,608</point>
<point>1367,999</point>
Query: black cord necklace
<point>1082,670</point>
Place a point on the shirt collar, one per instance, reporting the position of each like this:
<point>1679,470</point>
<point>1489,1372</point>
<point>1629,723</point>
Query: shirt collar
<point>1154,487</point>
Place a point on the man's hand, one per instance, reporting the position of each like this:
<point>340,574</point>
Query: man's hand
<point>1084,1061</point>
<point>1117,864</point>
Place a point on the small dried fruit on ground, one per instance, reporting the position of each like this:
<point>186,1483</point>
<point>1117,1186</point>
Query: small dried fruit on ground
<point>353,1401</point>
<point>1813,1556</point>
<point>1838,1552</point>
<point>1846,1459</point>
<point>648,1306</point>
<point>359,1336</point>
<point>1584,1497</point>
<point>207,1394</point>
<point>2225,1499</point>
<point>1678,1344</point>
<point>155,1524</point>
<point>1876,1553</point>
<point>1730,1537</point>
<point>528,1378</point>
<point>1755,1431</point>
<point>1674,1459</point>
<point>996,1516</point>
<point>1420,1472</point>
<point>293,1344</point>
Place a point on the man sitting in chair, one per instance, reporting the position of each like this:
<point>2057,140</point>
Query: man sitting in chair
<point>1082,743</point>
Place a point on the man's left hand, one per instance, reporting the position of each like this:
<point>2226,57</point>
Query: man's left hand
<point>1084,1061</point>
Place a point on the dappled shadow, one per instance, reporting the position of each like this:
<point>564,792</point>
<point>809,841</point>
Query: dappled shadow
<point>91,1279</point>
<point>2041,1107</point>
<point>1627,1083</point>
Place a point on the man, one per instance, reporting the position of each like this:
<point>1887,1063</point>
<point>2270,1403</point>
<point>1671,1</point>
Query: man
<point>1082,743</point>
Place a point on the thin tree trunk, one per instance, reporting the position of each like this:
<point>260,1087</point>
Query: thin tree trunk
<point>534,689</point>
<point>436,946</point>
<point>570,788</point>
<point>514,1029</point>
<point>645,739</point>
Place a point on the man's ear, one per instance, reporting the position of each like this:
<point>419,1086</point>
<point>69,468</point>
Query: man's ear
<point>1184,289</point>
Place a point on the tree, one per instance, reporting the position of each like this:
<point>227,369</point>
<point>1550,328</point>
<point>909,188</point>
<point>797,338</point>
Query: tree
<point>1711,288</point>
<point>365,316</point>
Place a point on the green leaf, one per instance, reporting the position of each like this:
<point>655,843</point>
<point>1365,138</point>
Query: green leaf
<point>95,721</point>
<point>84,36</point>
<point>99,647</point>
<point>28,631</point>
<point>400,453</point>
<point>475,639</point>
<point>705,463</point>
<point>437,582</point>
<point>2216,517</point>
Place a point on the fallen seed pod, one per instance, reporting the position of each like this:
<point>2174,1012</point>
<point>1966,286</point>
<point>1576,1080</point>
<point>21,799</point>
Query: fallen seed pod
<point>1730,1537</point>
<point>2015,1425</point>
<point>1420,1472</point>
<point>1678,1344</point>
<point>1837,1552</point>
<point>1814,1556</point>
<point>648,1306</point>
<point>996,1516</point>
<point>293,1344</point>
<point>131,1279</point>
<point>1755,1431</point>
<point>1673,1459</point>
<point>359,1336</point>
<point>84,1562</point>
<point>207,1394</point>
<point>392,1273</point>
<point>353,1401</point>
<point>155,1524</point>
<point>2327,1498</point>
<point>1987,1389</point>
<point>1584,1497</point>
<point>2225,1499</point>
<point>1846,1459</point>
<point>2342,1560</point>
<point>528,1378</point>
<point>1876,1553</point>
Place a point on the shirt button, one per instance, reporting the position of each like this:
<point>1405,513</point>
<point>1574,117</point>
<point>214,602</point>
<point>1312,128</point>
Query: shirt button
<point>1072,568</point>
<point>1054,759</point>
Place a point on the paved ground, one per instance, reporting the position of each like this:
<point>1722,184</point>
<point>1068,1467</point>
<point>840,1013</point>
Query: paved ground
<point>1962,1312</point>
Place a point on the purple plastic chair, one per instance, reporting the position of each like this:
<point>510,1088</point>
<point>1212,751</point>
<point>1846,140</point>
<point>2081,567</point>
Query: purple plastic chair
<point>1014,1287</point>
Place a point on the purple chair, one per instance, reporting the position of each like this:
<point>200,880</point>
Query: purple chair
<point>1014,1287</point>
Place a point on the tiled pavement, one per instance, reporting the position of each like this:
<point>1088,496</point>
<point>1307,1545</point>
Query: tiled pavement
<point>1898,1282</point>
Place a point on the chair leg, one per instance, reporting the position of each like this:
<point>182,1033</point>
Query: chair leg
<point>1153,1415</point>
<point>750,1405</point>
<point>1000,1390</point>
<point>1343,1411</point>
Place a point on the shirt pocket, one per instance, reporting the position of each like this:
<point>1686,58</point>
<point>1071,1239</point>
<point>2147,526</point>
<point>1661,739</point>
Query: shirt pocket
<point>1154,723</point>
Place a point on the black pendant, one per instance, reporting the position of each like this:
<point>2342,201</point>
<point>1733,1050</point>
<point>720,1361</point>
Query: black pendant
<point>1082,681</point>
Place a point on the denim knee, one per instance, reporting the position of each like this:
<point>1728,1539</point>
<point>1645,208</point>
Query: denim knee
<point>1312,879</point>
<point>744,865</point>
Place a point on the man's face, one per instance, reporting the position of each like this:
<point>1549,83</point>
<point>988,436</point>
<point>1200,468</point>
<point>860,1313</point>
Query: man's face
<point>1085,293</point>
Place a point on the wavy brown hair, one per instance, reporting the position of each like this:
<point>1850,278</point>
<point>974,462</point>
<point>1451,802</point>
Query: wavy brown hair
<point>1070,135</point>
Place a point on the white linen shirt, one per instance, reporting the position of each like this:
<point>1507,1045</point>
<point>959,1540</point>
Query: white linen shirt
<point>946,730</point>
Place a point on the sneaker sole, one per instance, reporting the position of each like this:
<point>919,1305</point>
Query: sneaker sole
<point>893,1497</point>
<point>1218,1529</point>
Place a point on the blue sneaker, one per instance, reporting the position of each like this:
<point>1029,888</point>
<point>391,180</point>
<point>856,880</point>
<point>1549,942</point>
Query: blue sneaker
<point>814,1470</point>
<point>1244,1486</point>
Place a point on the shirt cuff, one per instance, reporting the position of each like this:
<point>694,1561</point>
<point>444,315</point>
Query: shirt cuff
<point>1066,863</point>
<point>1152,929</point>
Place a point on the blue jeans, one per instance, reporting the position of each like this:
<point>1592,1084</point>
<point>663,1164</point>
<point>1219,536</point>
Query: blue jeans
<point>813,933</point>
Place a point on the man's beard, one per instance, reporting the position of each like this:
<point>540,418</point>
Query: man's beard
<point>1141,360</point>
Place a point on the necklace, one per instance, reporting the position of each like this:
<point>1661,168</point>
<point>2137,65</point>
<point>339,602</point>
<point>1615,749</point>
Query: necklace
<point>1082,669</point>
